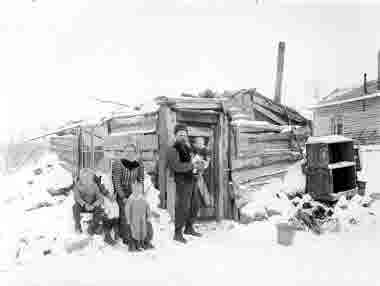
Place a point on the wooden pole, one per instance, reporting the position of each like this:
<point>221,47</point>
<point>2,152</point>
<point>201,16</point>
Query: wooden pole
<point>280,70</point>
<point>80,157</point>
<point>92,148</point>
<point>223,209</point>
<point>166,123</point>
<point>378,70</point>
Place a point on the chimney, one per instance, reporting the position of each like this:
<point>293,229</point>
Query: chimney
<point>365,84</point>
<point>378,70</point>
<point>279,74</point>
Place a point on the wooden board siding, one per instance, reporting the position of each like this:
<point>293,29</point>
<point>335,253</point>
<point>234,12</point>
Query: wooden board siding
<point>249,145</point>
<point>264,159</point>
<point>248,175</point>
<point>136,123</point>
<point>361,120</point>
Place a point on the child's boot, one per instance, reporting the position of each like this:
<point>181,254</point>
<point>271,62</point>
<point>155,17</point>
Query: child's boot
<point>108,238</point>
<point>147,245</point>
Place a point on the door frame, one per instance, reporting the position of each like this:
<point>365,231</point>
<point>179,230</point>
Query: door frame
<point>214,175</point>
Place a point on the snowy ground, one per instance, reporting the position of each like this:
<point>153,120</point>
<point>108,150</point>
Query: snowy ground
<point>228,253</point>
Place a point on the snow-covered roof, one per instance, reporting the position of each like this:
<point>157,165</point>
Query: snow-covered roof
<point>259,125</point>
<point>328,139</point>
<point>350,94</point>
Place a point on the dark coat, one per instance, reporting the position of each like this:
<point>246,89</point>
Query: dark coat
<point>179,162</point>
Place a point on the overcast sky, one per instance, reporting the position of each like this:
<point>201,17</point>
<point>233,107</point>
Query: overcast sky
<point>54,54</point>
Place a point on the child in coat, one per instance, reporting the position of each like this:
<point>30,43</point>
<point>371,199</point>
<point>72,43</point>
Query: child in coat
<point>110,207</point>
<point>201,153</point>
<point>87,198</point>
<point>138,217</point>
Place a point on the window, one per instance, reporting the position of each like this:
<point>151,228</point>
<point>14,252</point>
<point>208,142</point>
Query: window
<point>336,125</point>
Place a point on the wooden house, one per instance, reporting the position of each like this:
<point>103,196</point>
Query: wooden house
<point>352,112</point>
<point>245,132</point>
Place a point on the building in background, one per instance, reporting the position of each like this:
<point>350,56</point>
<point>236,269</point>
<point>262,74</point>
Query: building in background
<point>353,112</point>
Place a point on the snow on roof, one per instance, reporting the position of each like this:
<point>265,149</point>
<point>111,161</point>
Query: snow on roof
<point>126,133</point>
<point>328,139</point>
<point>343,95</point>
<point>255,124</point>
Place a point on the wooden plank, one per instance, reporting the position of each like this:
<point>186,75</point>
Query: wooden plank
<point>60,145</point>
<point>190,103</point>
<point>277,108</point>
<point>196,111</point>
<point>117,141</point>
<point>167,120</point>
<point>264,160</point>
<point>149,156</point>
<point>273,145</point>
<point>199,131</point>
<point>270,115</point>
<point>247,175</point>
<point>257,129</point>
<point>252,144</point>
<point>60,149</point>
<point>249,153</point>
<point>63,139</point>
<point>247,138</point>
<point>197,117</point>
<point>227,206</point>
<point>196,105</point>
<point>137,123</point>
<point>92,149</point>
<point>251,150</point>
<point>222,186</point>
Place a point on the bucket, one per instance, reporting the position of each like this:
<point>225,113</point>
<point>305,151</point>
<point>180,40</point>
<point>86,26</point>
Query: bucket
<point>285,234</point>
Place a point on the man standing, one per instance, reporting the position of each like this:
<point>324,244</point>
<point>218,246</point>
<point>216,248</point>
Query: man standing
<point>181,166</point>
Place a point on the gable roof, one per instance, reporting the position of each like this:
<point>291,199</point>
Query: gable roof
<point>342,95</point>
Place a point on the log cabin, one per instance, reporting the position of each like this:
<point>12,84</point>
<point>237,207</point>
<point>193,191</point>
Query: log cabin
<point>246,132</point>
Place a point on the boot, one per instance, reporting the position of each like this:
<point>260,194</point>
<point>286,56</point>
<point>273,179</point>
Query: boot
<point>117,232</point>
<point>98,229</point>
<point>133,247</point>
<point>178,236</point>
<point>189,230</point>
<point>76,215</point>
<point>108,239</point>
<point>147,245</point>
<point>96,221</point>
<point>95,228</point>
<point>78,228</point>
<point>90,229</point>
